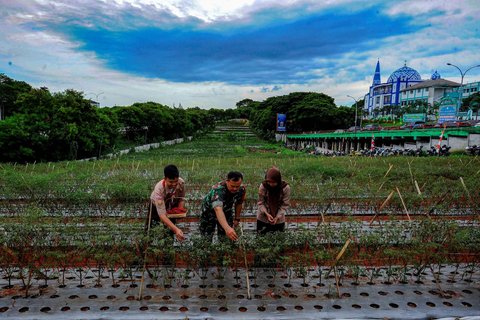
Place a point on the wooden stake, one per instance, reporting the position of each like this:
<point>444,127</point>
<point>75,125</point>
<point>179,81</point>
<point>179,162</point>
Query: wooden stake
<point>388,171</point>
<point>249,297</point>
<point>411,173</point>
<point>465,187</point>
<point>404,206</point>
<point>379,188</point>
<point>140,294</point>
<point>382,206</point>
<point>339,256</point>
<point>418,189</point>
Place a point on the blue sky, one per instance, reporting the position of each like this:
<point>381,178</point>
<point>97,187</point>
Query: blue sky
<point>215,53</point>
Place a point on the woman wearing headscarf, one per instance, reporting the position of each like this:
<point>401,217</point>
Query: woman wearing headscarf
<point>273,201</point>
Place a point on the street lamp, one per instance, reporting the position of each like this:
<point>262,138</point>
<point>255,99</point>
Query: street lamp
<point>356,111</point>
<point>461,82</point>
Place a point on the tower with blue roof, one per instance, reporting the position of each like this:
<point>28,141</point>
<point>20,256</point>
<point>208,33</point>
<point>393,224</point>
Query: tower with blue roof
<point>381,95</point>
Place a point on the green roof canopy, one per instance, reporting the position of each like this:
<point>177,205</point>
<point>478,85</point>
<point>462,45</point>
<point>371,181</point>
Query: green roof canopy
<point>434,133</point>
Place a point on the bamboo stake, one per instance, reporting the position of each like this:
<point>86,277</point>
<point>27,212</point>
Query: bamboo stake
<point>249,297</point>
<point>418,189</point>
<point>468,194</point>
<point>344,248</point>
<point>404,206</point>
<point>379,188</point>
<point>388,171</point>
<point>336,281</point>
<point>474,158</point>
<point>339,256</point>
<point>465,187</point>
<point>382,206</point>
<point>411,173</point>
<point>442,198</point>
<point>140,294</point>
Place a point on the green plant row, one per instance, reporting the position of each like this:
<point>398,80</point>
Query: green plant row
<point>32,242</point>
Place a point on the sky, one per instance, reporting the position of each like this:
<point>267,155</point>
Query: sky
<point>214,53</point>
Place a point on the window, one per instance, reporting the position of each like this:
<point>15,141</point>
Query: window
<point>377,101</point>
<point>411,91</point>
<point>419,90</point>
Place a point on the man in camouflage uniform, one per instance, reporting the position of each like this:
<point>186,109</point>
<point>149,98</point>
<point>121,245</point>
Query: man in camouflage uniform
<point>222,207</point>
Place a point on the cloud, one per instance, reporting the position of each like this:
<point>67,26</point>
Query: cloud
<point>277,53</point>
<point>215,53</point>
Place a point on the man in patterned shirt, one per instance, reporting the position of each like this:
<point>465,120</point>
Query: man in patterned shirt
<point>222,207</point>
<point>168,195</point>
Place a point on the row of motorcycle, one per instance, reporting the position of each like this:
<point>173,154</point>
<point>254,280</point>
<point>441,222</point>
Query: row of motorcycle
<point>443,151</point>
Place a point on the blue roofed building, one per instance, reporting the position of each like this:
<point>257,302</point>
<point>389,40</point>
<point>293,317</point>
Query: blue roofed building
<point>388,94</point>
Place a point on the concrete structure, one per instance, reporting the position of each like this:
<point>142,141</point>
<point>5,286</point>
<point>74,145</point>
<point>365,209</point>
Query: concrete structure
<point>381,95</point>
<point>429,91</point>
<point>470,88</point>
<point>456,138</point>
<point>405,86</point>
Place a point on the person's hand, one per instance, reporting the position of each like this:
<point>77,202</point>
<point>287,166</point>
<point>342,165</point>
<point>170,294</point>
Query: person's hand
<point>274,220</point>
<point>231,234</point>
<point>269,217</point>
<point>179,235</point>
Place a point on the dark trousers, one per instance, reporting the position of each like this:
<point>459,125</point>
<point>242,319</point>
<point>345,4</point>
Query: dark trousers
<point>208,223</point>
<point>263,228</point>
<point>155,219</point>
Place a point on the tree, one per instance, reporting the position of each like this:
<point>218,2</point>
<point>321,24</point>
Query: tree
<point>9,91</point>
<point>472,102</point>
<point>306,111</point>
<point>55,127</point>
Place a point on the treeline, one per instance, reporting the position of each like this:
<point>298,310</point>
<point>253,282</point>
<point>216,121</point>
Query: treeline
<point>306,111</point>
<point>37,125</point>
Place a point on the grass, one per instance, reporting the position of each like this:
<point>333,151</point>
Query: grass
<point>206,160</point>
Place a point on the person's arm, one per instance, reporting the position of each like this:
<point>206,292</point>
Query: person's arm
<point>178,232</point>
<point>229,231</point>
<point>261,203</point>
<point>238,209</point>
<point>285,204</point>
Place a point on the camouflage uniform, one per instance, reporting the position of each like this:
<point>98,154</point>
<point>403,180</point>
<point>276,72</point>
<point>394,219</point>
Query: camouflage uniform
<point>219,196</point>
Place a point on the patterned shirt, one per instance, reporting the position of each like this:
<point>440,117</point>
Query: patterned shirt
<point>166,199</point>
<point>219,196</point>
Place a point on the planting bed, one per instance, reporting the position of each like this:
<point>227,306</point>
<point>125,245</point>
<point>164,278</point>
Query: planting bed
<point>366,238</point>
<point>223,293</point>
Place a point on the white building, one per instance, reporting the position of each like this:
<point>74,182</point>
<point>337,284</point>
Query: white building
<point>405,86</point>
<point>388,94</point>
<point>429,91</point>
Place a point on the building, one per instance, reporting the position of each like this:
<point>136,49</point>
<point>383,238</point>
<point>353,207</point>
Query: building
<point>388,94</point>
<point>470,88</point>
<point>405,86</point>
<point>429,91</point>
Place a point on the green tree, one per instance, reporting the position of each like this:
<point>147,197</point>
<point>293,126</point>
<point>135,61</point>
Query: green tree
<point>472,102</point>
<point>55,127</point>
<point>9,91</point>
<point>306,111</point>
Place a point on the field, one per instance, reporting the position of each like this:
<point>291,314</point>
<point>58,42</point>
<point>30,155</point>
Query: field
<point>358,228</point>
